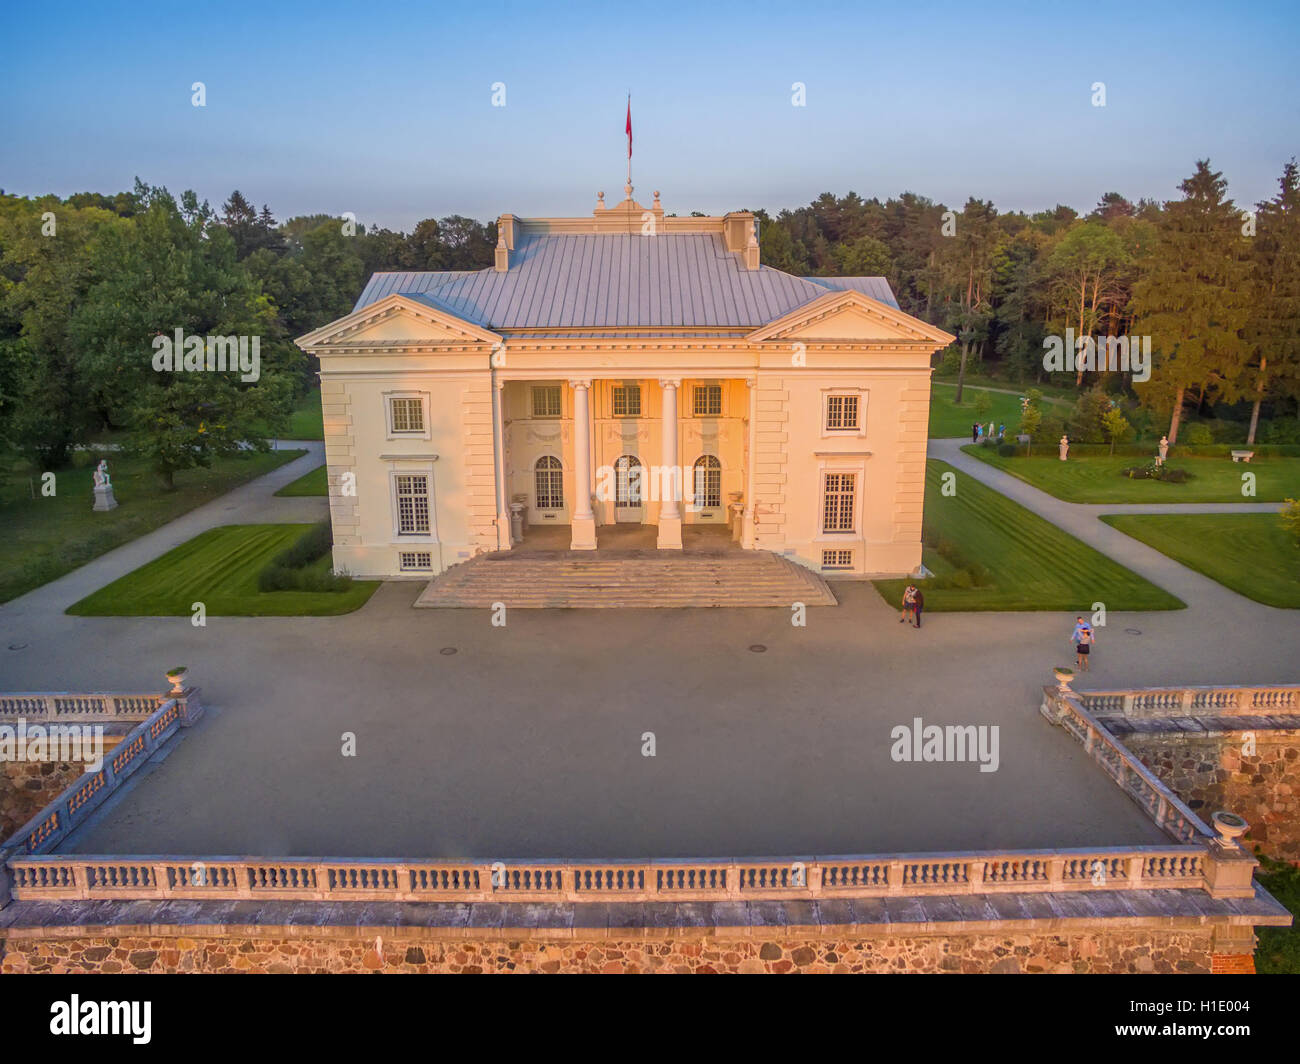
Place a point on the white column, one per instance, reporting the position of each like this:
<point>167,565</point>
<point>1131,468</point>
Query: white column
<point>670,482</point>
<point>751,503</point>
<point>504,539</point>
<point>583,522</point>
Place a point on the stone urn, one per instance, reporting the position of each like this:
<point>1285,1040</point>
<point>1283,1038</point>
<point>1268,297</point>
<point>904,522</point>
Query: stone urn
<point>1230,827</point>
<point>176,677</point>
<point>1064,677</point>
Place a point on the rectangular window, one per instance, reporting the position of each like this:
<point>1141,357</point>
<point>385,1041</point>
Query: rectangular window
<point>412,504</point>
<point>546,400</point>
<point>837,559</point>
<point>708,400</point>
<point>838,502</point>
<point>842,412</point>
<point>627,400</point>
<point>415,560</point>
<point>407,415</point>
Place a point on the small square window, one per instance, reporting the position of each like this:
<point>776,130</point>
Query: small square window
<point>407,414</point>
<point>842,413</point>
<point>546,400</point>
<point>415,561</point>
<point>837,559</point>
<point>708,400</point>
<point>627,400</point>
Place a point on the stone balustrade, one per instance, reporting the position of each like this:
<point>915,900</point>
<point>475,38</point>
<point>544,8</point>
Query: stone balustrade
<point>53,878</point>
<point>1145,702</point>
<point>53,823</point>
<point>68,708</point>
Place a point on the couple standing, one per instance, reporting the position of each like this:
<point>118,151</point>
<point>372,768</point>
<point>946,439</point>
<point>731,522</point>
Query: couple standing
<point>913,603</point>
<point>1082,637</point>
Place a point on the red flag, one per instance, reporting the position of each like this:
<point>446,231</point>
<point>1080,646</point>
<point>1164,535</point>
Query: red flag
<point>629,127</point>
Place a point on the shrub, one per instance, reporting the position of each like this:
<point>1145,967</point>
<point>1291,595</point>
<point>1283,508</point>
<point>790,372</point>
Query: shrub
<point>1154,471</point>
<point>292,569</point>
<point>1195,434</point>
<point>1281,430</point>
<point>1008,450</point>
<point>982,405</point>
<point>1290,518</point>
<point>950,364</point>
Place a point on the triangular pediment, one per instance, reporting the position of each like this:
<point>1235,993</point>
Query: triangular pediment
<point>396,320</point>
<point>852,317</point>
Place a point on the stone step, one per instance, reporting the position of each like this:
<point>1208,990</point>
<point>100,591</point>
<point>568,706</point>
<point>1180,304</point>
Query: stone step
<point>559,580</point>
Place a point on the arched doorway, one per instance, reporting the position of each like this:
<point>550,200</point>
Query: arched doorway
<point>629,490</point>
<point>706,488</point>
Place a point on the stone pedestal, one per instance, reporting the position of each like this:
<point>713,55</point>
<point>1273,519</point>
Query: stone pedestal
<point>104,499</point>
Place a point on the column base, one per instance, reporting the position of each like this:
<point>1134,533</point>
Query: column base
<point>505,538</point>
<point>670,533</point>
<point>583,531</point>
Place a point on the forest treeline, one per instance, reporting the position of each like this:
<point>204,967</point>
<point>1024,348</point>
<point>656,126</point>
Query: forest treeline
<point>89,281</point>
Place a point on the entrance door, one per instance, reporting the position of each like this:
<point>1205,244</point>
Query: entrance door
<point>629,490</point>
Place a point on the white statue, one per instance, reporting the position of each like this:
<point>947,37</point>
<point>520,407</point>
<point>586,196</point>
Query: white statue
<point>1065,447</point>
<point>104,498</point>
<point>1164,449</point>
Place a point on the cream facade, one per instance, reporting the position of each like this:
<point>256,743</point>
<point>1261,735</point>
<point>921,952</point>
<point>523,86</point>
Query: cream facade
<point>621,369</point>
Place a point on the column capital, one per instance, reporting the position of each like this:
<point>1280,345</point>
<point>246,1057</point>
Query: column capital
<point>670,382</point>
<point>751,382</point>
<point>578,382</point>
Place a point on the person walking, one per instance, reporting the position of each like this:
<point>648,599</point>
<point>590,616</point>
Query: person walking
<point>974,433</point>
<point>918,602</point>
<point>1083,648</point>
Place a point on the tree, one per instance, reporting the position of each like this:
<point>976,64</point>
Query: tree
<point>966,262</point>
<point>1083,272</point>
<point>176,268</point>
<point>865,257</point>
<point>1194,294</point>
<point>1116,426</point>
<point>1274,327</point>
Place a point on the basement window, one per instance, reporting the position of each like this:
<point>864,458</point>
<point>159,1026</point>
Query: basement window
<point>837,559</point>
<point>415,561</point>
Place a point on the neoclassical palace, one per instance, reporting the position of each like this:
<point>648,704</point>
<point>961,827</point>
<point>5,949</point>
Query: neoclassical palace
<point>625,368</point>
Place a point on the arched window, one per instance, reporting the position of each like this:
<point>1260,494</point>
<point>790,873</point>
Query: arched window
<point>548,483</point>
<point>708,482</point>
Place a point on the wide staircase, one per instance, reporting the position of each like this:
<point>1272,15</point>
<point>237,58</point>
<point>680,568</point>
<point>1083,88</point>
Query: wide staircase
<point>627,580</point>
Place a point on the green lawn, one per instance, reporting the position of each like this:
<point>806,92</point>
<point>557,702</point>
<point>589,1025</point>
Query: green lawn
<point>314,483</point>
<point>949,420</point>
<point>1099,479</point>
<point>1029,563</point>
<point>306,422</point>
<point>1278,952</point>
<point>1249,553</point>
<point>47,536</point>
<point>220,568</point>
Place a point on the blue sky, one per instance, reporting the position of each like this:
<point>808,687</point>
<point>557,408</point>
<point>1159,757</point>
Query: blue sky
<point>385,109</point>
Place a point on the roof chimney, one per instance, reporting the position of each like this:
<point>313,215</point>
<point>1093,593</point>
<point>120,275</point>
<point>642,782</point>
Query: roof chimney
<point>740,237</point>
<point>505,242</point>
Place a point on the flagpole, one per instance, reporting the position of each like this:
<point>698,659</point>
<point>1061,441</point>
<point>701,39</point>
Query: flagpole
<point>629,144</point>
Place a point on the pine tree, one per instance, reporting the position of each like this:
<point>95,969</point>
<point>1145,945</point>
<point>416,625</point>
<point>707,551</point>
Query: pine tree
<point>1274,329</point>
<point>1194,296</point>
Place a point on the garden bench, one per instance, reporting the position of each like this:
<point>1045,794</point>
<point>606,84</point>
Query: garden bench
<point>1243,456</point>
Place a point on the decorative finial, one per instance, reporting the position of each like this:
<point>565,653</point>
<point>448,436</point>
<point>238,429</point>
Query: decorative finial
<point>600,200</point>
<point>656,203</point>
<point>627,190</point>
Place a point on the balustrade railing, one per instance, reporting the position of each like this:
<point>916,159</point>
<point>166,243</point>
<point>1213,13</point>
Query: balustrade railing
<point>67,707</point>
<point>52,878</point>
<point>1145,702</point>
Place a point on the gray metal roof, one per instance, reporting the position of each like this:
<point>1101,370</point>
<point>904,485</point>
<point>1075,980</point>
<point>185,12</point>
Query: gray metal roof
<point>875,287</point>
<point>617,280</point>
